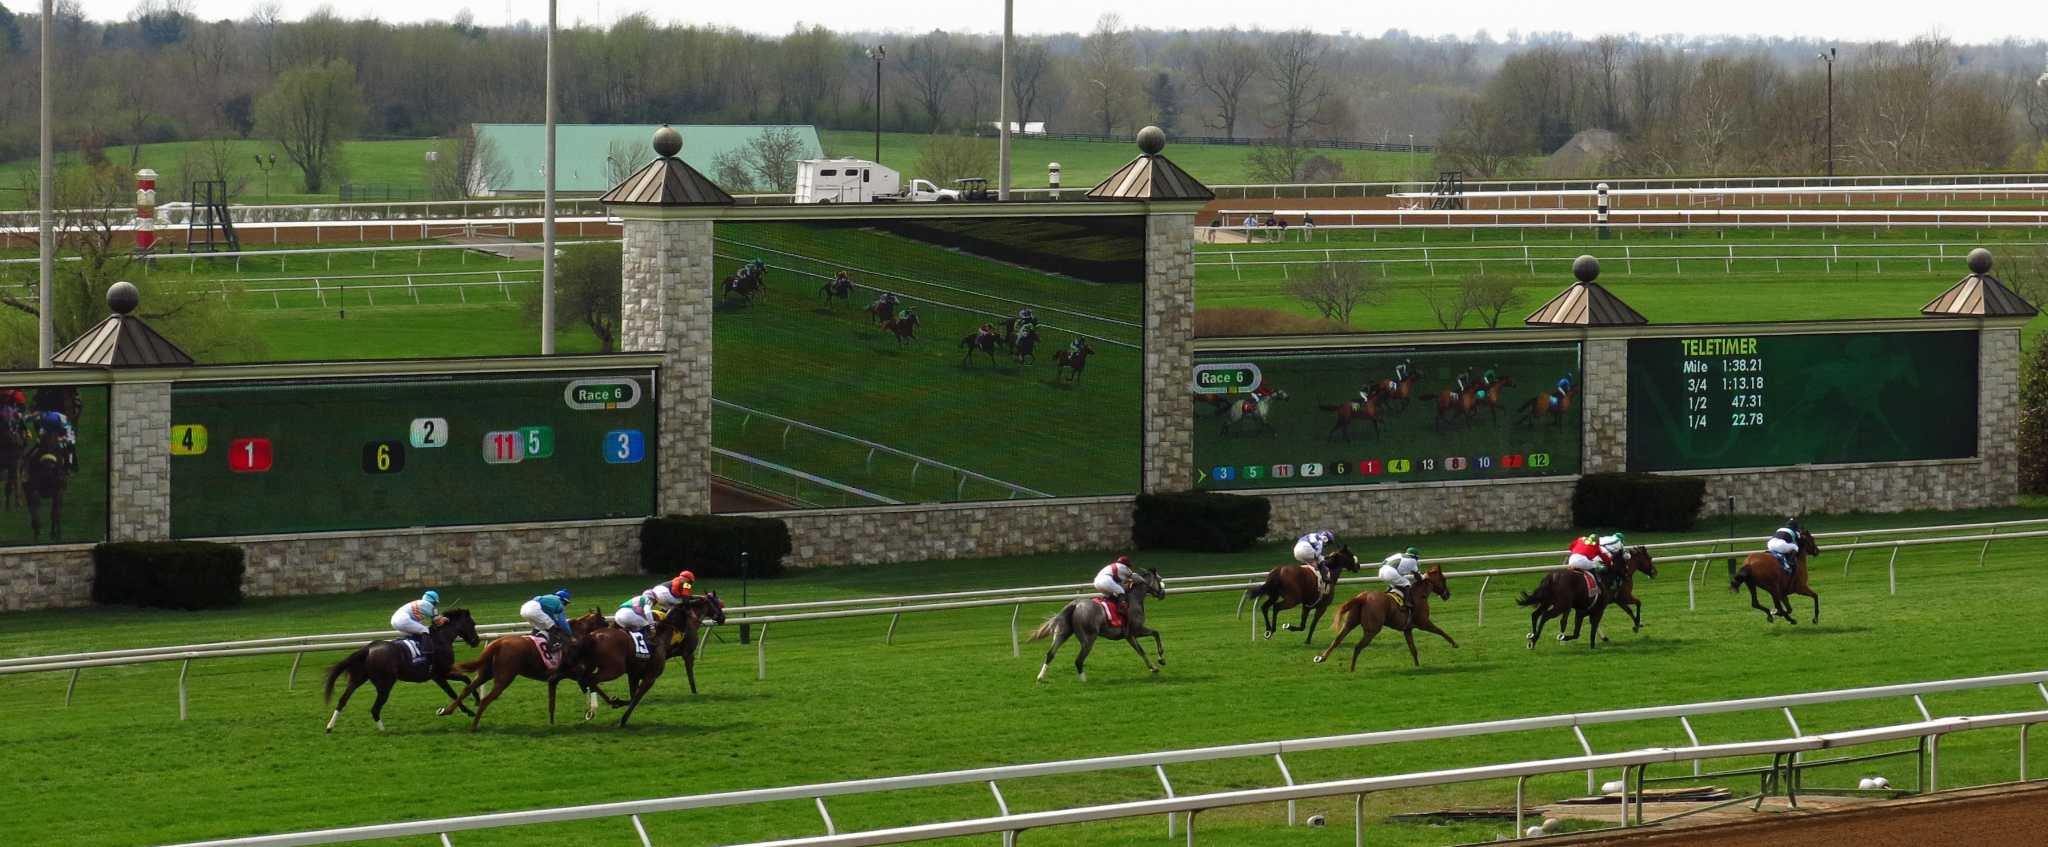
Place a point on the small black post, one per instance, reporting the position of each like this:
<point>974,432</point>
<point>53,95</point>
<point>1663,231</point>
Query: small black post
<point>745,630</point>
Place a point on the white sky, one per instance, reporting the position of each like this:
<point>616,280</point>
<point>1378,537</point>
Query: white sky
<point>1964,20</point>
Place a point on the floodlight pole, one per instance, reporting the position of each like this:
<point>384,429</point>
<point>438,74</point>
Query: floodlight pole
<point>1003,106</point>
<point>547,212</point>
<point>45,185</point>
<point>877,53</point>
<point>1829,58</point>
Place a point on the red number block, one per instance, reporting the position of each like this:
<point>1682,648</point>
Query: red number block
<point>249,455</point>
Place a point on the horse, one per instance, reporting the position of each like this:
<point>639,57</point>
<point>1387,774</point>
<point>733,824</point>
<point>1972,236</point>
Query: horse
<point>1065,359</point>
<point>508,658</point>
<point>1489,394</point>
<point>609,653</point>
<point>1761,570</point>
<point>1552,404</point>
<point>1024,347</point>
<point>1258,407</point>
<point>1083,618</point>
<point>976,342</point>
<point>1563,591</point>
<point>1625,595</point>
<point>1366,407</point>
<point>692,632</point>
<point>904,328</point>
<point>13,443</point>
<point>1454,406</point>
<point>48,475</point>
<point>1399,390</point>
<point>1289,586</point>
<point>746,286</point>
<point>881,310</point>
<point>836,288</point>
<point>383,663</point>
<point>1376,610</point>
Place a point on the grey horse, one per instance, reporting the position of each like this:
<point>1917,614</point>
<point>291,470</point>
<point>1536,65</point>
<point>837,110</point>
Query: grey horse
<point>1086,620</point>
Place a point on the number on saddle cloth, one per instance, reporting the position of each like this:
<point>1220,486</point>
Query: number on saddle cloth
<point>1784,562</point>
<point>639,644</point>
<point>419,650</point>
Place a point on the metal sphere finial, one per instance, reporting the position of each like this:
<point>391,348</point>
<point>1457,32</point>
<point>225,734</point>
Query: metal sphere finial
<point>1586,268</point>
<point>1980,261</point>
<point>667,142</point>
<point>123,298</point>
<point>1151,140</point>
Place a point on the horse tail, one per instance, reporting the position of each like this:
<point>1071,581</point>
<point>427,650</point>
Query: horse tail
<point>352,665</point>
<point>1739,577</point>
<point>1051,625</point>
<point>1271,585</point>
<point>482,660</point>
<point>1535,598</point>
<point>1351,607</point>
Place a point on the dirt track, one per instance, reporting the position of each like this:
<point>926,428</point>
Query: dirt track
<point>1987,817</point>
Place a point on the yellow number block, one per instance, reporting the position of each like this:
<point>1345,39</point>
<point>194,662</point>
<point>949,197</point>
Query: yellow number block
<point>188,439</point>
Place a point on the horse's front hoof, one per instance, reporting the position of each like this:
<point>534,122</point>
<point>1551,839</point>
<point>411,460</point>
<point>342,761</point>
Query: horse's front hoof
<point>1562,637</point>
<point>1269,635</point>
<point>1084,676</point>
<point>1319,659</point>
<point>1155,670</point>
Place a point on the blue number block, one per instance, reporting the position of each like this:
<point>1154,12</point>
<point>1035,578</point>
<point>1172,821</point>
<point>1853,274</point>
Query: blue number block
<point>1223,473</point>
<point>624,446</point>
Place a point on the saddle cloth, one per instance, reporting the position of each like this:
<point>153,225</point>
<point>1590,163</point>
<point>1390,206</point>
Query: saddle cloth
<point>548,658</point>
<point>1109,609</point>
<point>1785,563</point>
<point>416,652</point>
<point>639,644</point>
<point>1394,594</point>
<point>1592,584</point>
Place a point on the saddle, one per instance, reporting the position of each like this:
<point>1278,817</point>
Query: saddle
<point>1784,562</point>
<point>419,650</point>
<point>548,658</point>
<point>1592,584</point>
<point>1394,594</point>
<point>1109,609</point>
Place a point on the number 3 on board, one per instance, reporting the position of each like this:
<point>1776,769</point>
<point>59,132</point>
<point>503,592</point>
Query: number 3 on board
<point>188,440</point>
<point>624,446</point>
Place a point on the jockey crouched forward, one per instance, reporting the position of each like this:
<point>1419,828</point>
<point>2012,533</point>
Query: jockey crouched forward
<point>1312,550</point>
<point>1400,571</point>
<point>1594,554</point>
<point>548,615</point>
<point>1110,581</point>
<point>1784,544</point>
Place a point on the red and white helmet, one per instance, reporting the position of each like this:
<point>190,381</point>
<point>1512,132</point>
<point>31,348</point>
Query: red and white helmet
<point>687,576</point>
<point>1123,560</point>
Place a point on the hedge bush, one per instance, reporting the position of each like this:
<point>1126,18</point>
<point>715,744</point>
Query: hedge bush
<point>168,575</point>
<point>1638,501</point>
<point>711,545</point>
<point>1204,522</point>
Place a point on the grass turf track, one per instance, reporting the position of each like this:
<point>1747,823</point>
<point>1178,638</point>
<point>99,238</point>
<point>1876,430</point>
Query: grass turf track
<point>838,704</point>
<point>792,355</point>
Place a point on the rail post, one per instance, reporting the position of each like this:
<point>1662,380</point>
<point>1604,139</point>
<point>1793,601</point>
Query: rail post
<point>1014,612</point>
<point>1583,745</point>
<point>1987,546</point>
<point>761,653</point>
<point>826,814</point>
<point>1853,541</point>
<point>1691,587</point>
<point>640,830</point>
<point>71,686</point>
<point>1483,582</point>
<point>1692,736</point>
<point>1003,806</point>
<point>890,636</point>
<point>1892,568</point>
<point>1287,777</point>
<point>1163,783</point>
<point>292,679</point>
<point>183,668</point>
<point>2023,750</point>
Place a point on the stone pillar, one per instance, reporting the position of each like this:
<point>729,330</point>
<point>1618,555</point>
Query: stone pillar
<point>1169,351</point>
<point>139,471</point>
<point>1998,378</point>
<point>666,306</point>
<point>1604,405</point>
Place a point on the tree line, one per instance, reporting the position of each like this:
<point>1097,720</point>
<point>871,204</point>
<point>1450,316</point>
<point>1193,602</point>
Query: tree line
<point>1672,105</point>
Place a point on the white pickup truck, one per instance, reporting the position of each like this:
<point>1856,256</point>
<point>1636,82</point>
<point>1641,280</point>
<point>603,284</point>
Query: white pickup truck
<point>862,181</point>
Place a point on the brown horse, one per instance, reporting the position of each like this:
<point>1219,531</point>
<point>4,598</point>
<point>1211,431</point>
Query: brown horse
<point>1563,592</point>
<point>1376,610</point>
<point>1489,395</point>
<point>1399,391</point>
<point>608,653</point>
<point>1366,407</point>
<point>1549,404</point>
<point>385,663</point>
<point>508,658</point>
<point>1761,570</point>
<point>1066,359</point>
<point>1289,586</point>
<point>46,473</point>
<point>904,328</point>
<point>746,286</point>
<point>1257,408</point>
<point>1454,407</point>
<point>975,342</point>
<point>691,633</point>
<point>14,442</point>
<point>1625,596</point>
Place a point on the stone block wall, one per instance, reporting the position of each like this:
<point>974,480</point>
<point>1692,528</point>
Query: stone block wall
<point>666,307</point>
<point>334,563</point>
<point>1959,484</point>
<point>139,508</point>
<point>957,531</point>
<point>1169,462</point>
<point>46,578</point>
<point>1998,415</point>
<point>1603,407</point>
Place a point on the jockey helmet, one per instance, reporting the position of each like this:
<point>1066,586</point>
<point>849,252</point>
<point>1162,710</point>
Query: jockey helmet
<point>678,585</point>
<point>432,598</point>
<point>1792,523</point>
<point>562,594</point>
<point>1413,551</point>
<point>53,419</point>
<point>1327,536</point>
<point>687,576</point>
<point>1122,560</point>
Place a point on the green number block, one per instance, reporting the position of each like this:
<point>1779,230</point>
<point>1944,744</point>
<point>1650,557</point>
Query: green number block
<point>540,441</point>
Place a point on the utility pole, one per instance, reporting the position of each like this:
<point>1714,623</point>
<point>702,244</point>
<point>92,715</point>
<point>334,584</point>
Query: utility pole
<point>45,185</point>
<point>878,53</point>
<point>547,211</point>
<point>1829,58</point>
<point>1003,106</point>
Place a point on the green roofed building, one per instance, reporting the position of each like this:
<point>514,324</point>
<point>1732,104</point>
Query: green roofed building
<point>581,151</point>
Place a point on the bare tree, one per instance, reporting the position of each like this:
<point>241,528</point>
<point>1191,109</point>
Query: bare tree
<point>1030,68</point>
<point>729,169</point>
<point>944,158</point>
<point>1293,68</point>
<point>1224,65</point>
<point>1274,161</point>
<point>621,159</point>
<point>930,66</point>
<point>468,165</point>
<point>1447,304</point>
<point>772,157</point>
<point>1488,297</point>
<point>310,112</point>
<point>1109,60</point>
<point>1335,289</point>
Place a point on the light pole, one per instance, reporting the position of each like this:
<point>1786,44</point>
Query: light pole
<point>265,168</point>
<point>878,53</point>
<point>1829,58</point>
<point>47,245</point>
<point>547,203</point>
<point>1003,106</point>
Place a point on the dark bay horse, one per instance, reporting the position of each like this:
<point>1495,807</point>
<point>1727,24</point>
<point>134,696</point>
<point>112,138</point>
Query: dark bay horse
<point>509,657</point>
<point>976,342</point>
<point>1084,619</point>
<point>1376,610</point>
<point>14,441</point>
<point>691,632</point>
<point>1065,359</point>
<point>1289,586</point>
<point>904,328</point>
<point>385,663</point>
<point>1563,591</point>
<point>1366,407</point>
<point>608,653</point>
<point>1761,570</point>
<point>836,288</point>
<point>746,286</point>
<point>1023,348</point>
<point>1549,404</point>
<point>47,475</point>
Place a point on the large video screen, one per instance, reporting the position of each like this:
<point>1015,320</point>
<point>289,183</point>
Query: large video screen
<point>1282,419</point>
<point>53,465</point>
<point>878,362</point>
<point>1751,401</point>
<point>256,458</point>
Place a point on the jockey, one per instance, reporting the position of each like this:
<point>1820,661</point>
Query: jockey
<point>674,592</point>
<point>986,332</point>
<point>636,614</point>
<point>1784,543</point>
<point>1490,376</point>
<point>1308,549</point>
<point>1463,382</point>
<point>907,314</point>
<point>1110,580</point>
<point>1077,345</point>
<point>1400,571</point>
<point>842,282</point>
<point>548,614</point>
<point>886,304</point>
<point>1025,318</point>
<point>1590,554</point>
<point>414,619</point>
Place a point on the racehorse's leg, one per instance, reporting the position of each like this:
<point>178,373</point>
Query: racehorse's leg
<point>354,682</point>
<point>1413,656</point>
<point>497,687</point>
<point>1140,648</point>
<point>1768,616</point>
<point>640,689</point>
<point>1593,640</point>
<point>690,663</point>
<point>1578,622</point>
<point>469,688</point>
<point>1538,621</point>
<point>1081,658</point>
<point>1158,646</point>
<point>377,708</point>
<point>443,682</point>
<point>1816,602</point>
<point>1060,631</point>
<point>1783,600</point>
<point>553,681</point>
<point>1633,608</point>
<point>1430,626</point>
<point>1350,623</point>
<point>1312,625</point>
<point>1362,641</point>
<point>1304,619</point>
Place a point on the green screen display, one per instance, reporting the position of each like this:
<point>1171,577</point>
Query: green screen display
<point>254,458</point>
<point>1275,419</point>
<point>53,471</point>
<point>1746,401</point>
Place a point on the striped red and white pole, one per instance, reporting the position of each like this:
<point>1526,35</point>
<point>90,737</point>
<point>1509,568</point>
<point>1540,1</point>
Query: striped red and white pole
<point>145,209</point>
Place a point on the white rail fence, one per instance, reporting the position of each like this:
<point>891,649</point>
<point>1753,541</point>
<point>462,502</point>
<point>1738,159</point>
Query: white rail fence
<point>760,616</point>
<point>1781,774</point>
<point>1628,259</point>
<point>874,449</point>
